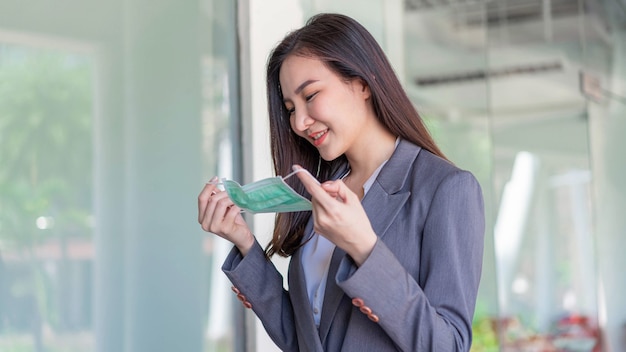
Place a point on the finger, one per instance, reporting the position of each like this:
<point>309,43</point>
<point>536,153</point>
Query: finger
<point>332,188</point>
<point>223,205</point>
<point>232,212</point>
<point>214,213</point>
<point>310,183</point>
<point>207,216</point>
<point>209,190</point>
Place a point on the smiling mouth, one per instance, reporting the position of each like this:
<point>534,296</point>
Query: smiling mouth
<point>318,135</point>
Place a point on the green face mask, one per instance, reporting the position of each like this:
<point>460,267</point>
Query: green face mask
<point>269,195</point>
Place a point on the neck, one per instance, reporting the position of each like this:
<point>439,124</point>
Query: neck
<point>368,156</point>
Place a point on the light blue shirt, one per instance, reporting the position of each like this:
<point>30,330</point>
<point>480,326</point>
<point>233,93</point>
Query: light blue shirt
<point>316,255</point>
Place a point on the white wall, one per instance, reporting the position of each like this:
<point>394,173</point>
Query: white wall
<point>263,23</point>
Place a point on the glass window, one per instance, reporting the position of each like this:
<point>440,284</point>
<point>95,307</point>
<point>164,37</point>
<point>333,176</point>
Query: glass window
<point>544,242</point>
<point>46,213</point>
<point>111,120</point>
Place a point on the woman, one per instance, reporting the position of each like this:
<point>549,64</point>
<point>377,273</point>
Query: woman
<point>390,256</point>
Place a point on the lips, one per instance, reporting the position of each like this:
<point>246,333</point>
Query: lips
<point>318,137</point>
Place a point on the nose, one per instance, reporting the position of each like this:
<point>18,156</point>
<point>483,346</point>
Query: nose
<point>301,121</point>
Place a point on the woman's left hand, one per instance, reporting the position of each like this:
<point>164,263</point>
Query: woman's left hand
<point>339,216</point>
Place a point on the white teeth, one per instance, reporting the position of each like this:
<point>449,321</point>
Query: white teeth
<point>317,136</point>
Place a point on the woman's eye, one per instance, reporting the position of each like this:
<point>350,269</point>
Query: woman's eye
<point>290,111</point>
<point>310,96</point>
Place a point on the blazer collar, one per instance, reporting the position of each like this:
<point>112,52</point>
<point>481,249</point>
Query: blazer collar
<point>394,174</point>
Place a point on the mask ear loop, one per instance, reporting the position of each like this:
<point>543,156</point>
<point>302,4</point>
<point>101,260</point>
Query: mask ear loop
<point>319,164</point>
<point>301,169</point>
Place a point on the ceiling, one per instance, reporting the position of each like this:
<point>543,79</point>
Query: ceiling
<point>480,56</point>
<point>517,63</point>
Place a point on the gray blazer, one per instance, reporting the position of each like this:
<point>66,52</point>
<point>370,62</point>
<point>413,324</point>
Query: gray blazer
<point>417,289</point>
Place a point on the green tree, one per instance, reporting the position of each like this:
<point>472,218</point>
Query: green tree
<point>45,162</point>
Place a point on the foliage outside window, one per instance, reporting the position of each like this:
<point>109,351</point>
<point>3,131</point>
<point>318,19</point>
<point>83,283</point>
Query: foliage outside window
<point>45,199</point>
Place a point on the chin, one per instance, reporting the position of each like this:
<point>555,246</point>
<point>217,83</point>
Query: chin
<point>329,156</point>
<point>330,152</point>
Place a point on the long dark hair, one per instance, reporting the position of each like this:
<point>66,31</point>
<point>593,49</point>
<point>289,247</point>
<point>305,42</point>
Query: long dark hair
<point>350,51</point>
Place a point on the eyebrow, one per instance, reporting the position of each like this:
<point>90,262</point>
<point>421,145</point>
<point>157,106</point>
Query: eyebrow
<point>304,84</point>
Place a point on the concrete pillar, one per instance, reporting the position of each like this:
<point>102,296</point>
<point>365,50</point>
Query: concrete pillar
<point>607,127</point>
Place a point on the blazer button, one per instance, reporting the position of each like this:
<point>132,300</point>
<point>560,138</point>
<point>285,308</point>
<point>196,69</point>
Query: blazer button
<point>366,310</point>
<point>373,317</point>
<point>247,304</point>
<point>235,289</point>
<point>358,302</point>
<point>241,297</point>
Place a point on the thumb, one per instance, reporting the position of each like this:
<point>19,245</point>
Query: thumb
<point>337,189</point>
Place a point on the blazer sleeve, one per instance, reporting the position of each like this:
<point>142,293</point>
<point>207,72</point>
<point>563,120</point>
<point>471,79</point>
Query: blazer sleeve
<point>434,311</point>
<point>257,279</point>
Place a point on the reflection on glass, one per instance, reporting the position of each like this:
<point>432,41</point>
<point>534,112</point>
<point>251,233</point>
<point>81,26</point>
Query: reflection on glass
<point>45,200</point>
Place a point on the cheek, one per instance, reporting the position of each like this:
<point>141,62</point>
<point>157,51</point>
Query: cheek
<point>291,125</point>
<point>294,130</point>
<point>322,109</point>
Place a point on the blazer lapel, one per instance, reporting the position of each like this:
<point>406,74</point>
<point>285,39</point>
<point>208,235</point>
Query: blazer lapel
<point>382,208</point>
<point>386,197</point>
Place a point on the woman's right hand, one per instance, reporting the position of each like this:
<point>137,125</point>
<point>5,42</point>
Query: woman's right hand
<point>219,215</point>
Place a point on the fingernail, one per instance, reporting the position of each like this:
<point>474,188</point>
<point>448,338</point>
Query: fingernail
<point>296,167</point>
<point>212,180</point>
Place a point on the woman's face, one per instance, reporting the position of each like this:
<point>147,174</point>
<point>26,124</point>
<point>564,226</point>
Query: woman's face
<point>330,113</point>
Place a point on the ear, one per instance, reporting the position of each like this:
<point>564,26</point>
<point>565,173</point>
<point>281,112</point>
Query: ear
<point>364,89</point>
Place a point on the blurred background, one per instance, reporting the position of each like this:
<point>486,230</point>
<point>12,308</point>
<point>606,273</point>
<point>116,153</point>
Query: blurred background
<point>114,113</point>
